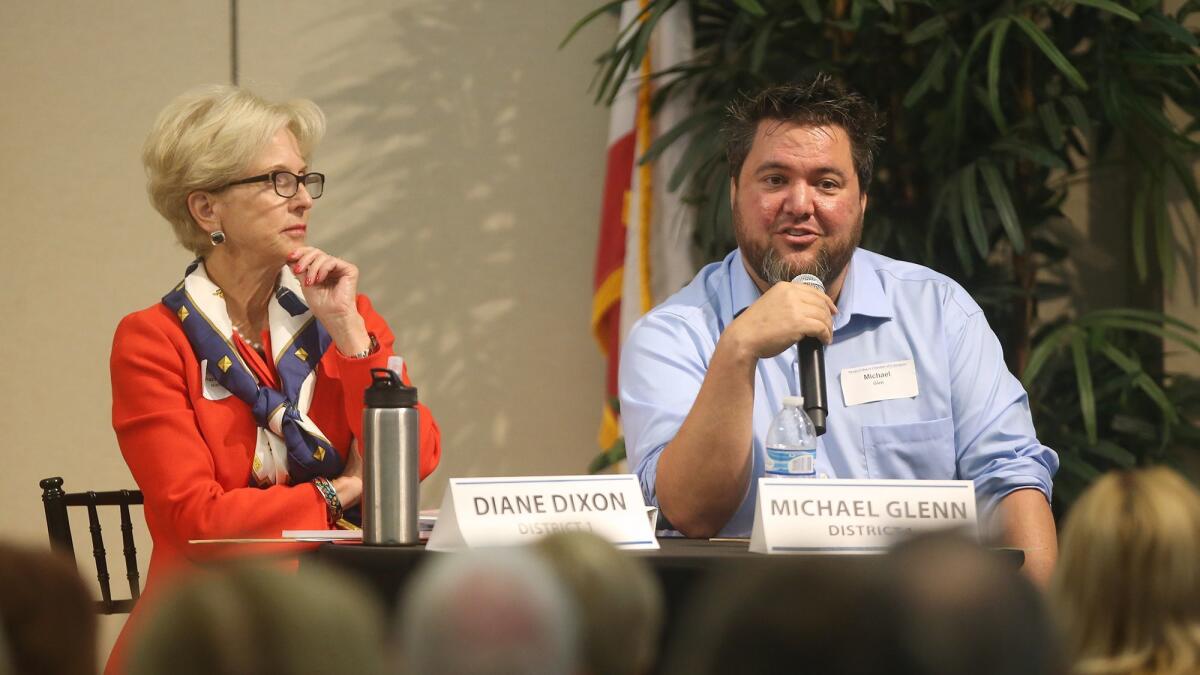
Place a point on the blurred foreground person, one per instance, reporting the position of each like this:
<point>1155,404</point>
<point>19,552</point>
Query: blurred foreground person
<point>6,665</point>
<point>238,398</point>
<point>936,605</point>
<point>793,615</point>
<point>968,610</point>
<point>1127,590</point>
<point>252,620</point>
<point>487,612</point>
<point>619,602</point>
<point>47,615</point>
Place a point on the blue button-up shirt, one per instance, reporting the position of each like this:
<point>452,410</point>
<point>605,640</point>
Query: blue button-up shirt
<point>970,419</point>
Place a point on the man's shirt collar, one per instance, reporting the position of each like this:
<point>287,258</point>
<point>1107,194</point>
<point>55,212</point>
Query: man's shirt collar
<point>744,291</point>
<point>862,292</point>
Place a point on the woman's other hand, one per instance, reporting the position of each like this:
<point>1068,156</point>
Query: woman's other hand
<point>349,485</point>
<point>330,288</point>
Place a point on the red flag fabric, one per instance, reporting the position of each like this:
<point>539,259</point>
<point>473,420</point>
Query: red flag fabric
<point>643,253</point>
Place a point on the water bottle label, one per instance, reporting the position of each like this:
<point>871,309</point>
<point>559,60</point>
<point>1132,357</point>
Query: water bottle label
<point>789,462</point>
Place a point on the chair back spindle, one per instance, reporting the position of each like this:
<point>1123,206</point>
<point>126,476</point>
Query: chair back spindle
<point>57,524</point>
<point>58,527</point>
<point>129,550</point>
<point>98,552</point>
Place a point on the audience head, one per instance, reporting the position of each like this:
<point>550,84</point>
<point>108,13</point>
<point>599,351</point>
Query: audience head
<point>792,615</point>
<point>47,615</point>
<point>964,609</point>
<point>487,612</point>
<point>1127,587</point>
<point>208,137</point>
<point>619,602</point>
<point>249,619</point>
<point>6,664</point>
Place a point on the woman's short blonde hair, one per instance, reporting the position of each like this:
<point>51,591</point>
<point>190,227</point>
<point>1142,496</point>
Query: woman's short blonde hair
<point>1127,586</point>
<point>208,137</point>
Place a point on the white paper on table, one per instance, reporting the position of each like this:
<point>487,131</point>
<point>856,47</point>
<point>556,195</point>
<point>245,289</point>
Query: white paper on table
<point>323,535</point>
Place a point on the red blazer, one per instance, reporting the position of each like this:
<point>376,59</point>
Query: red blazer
<point>191,455</point>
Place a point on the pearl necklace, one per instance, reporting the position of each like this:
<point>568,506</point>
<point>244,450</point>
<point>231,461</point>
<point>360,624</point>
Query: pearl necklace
<point>253,343</point>
<point>220,293</point>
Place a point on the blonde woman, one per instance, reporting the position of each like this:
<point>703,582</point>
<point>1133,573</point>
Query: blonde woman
<point>237,398</point>
<point>1127,587</point>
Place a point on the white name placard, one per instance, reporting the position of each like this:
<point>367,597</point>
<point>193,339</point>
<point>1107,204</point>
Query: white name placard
<point>795,515</point>
<point>479,512</point>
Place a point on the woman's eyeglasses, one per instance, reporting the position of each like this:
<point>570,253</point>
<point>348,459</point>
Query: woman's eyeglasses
<point>287,184</point>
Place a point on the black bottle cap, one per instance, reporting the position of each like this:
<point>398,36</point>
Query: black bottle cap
<point>388,391</point>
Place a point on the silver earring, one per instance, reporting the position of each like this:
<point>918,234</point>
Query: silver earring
<point>217,237</point>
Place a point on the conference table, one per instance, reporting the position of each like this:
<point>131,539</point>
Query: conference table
<point>682,566</point>
<point>679,564</point>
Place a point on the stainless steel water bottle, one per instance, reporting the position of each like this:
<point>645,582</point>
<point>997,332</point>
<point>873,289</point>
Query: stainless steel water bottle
<point>391,461</point>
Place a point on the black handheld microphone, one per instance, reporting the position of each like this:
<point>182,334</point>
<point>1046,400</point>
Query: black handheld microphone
<point>812,367</point>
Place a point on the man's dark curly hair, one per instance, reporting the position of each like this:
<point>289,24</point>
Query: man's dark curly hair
<point>822,102</point>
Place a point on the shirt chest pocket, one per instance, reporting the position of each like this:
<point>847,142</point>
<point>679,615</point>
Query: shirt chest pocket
<point>916,450</point>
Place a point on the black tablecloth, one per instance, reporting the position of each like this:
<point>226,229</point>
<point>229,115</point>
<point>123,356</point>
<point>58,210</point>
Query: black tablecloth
<point>681,565</point>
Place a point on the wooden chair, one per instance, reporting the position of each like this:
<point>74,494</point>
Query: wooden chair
<point>58,526</point>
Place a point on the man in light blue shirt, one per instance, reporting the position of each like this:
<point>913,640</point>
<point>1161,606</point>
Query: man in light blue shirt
<point>703,374</point>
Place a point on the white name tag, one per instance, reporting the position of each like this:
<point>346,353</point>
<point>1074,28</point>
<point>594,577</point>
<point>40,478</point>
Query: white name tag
<point>213,390</point>
<point>855,516</point>
<point>879,382</point>
<point>479,512</point>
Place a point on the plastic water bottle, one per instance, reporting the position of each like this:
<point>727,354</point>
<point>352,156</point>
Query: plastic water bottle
<point>792,441</point>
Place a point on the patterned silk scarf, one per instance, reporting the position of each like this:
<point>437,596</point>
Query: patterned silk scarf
<point>290,448</point>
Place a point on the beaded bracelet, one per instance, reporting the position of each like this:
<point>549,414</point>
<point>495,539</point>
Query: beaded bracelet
<point>332,503</point>
<point>371,349</point>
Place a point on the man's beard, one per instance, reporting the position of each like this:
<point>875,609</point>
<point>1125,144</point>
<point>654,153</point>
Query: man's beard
<point>827,263</point>
<point>774,268</point>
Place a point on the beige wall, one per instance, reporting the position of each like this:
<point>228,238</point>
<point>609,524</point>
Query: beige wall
<point>465,164</point>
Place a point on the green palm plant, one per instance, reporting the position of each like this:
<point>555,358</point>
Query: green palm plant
<point>994,109</point>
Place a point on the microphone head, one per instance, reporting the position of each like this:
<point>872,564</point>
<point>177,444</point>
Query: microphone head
<point>810,280</point>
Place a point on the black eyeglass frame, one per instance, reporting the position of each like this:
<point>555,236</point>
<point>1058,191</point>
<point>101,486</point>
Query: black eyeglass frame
<point>300,179</point>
